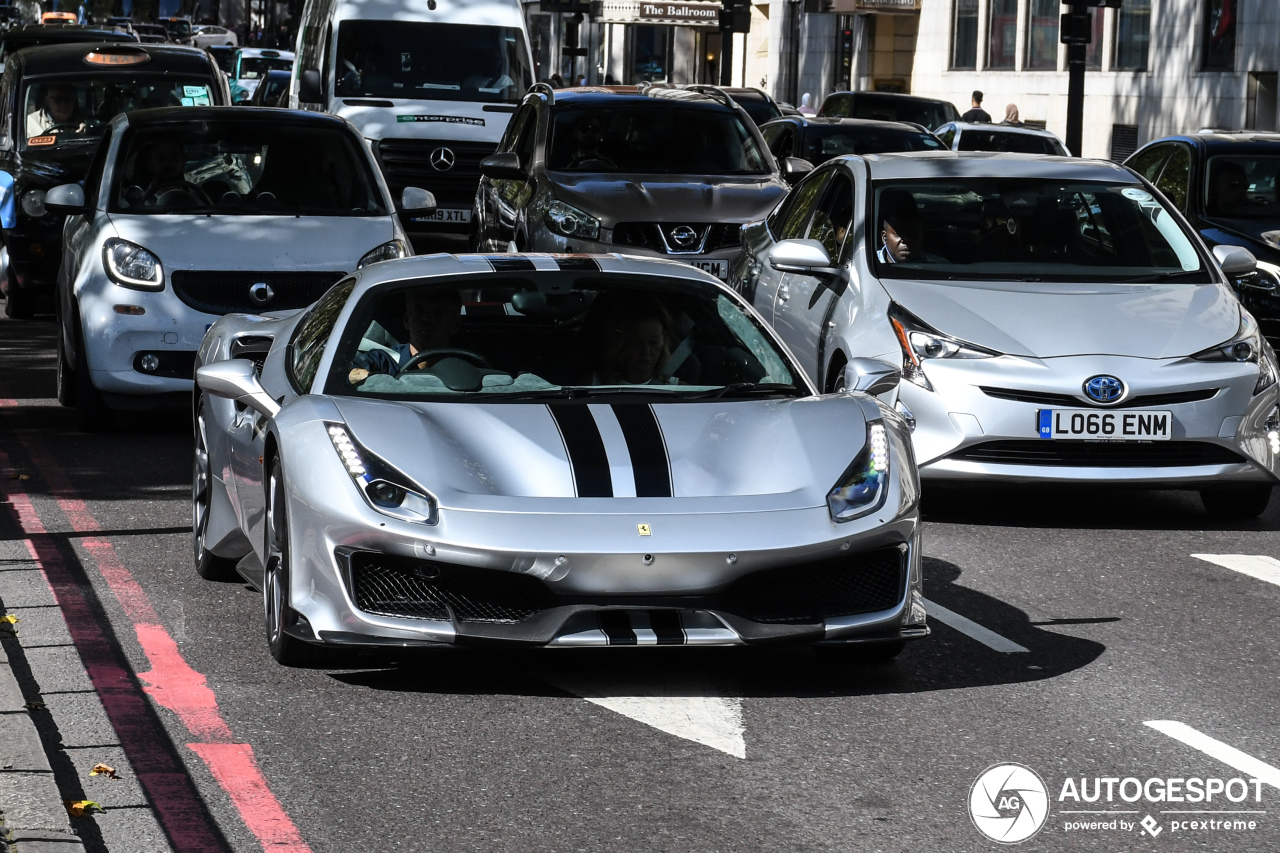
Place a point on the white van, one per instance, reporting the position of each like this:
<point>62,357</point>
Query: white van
<point>431,83</point>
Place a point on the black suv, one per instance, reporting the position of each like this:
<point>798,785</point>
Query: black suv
<point>1227,184</point>
<point>654,171</point>
<point>55,104</point>
<point>890,106</point>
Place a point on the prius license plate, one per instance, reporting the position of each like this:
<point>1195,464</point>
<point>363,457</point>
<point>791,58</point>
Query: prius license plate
<point>1092,425</point>
<point>719,269</point>
<point>447,214</point>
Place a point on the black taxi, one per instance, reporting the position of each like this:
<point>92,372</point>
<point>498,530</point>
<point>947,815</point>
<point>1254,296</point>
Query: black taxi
<point>56,102</point>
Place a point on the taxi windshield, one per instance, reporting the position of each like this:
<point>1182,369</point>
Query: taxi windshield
<point>244,168</point>
<point>1029,229</point>
<point>556,336</point>
<point>70,111</point>
<point>256,67</point>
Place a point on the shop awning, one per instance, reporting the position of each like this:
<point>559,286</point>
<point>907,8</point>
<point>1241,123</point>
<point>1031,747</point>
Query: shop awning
<point>685,14</point>
<point>847,7</point>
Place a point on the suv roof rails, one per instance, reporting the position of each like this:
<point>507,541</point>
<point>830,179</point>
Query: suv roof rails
<point>546,90</point>
<point>712,92</point>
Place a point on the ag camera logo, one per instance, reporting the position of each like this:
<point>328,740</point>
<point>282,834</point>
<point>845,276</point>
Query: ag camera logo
<point>1009,803</point>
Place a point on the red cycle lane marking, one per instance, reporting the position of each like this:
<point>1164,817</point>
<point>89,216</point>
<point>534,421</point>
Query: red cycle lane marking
<point>172,682</point>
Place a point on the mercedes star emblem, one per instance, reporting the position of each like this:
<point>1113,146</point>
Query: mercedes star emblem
<point>442,159</point>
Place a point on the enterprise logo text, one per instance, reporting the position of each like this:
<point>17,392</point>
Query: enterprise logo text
<point>1172,790</point>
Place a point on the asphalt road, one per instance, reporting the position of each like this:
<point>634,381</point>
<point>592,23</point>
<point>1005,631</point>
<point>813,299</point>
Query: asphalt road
<point>671,750</point>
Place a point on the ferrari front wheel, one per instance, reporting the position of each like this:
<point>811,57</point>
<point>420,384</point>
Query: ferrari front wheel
<point>286,650</point>
<point>208,565</point>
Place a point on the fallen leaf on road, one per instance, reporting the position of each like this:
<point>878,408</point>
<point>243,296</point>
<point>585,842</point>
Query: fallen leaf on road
<point>7,622</point>
<point>35,706</point>
<point>104,770</point>
<point>82,808</point>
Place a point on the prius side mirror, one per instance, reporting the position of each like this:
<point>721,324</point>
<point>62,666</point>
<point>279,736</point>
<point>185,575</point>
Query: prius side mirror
<point>807,257</point>
<point>237,379</point>
<point>1235,261</point>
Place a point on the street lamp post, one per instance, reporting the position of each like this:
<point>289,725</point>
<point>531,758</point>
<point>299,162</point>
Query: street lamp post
<point>1076,32</point>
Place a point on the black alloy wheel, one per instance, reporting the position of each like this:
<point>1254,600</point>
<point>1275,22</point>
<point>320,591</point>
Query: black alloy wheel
<point>287,650</point>
<point>1244,501</point>
<point>208,565</point>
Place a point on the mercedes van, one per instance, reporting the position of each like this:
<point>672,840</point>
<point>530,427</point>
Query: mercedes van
<point>431,84</point>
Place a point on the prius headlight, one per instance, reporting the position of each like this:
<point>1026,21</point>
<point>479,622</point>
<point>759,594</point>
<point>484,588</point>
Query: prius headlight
<point>389,251</point>
<point>1249,346</point>
<point>920,342</point>
<point>130,265</point>
<point>864,484</point>
<point>383,488</point>
<point>568,221</point>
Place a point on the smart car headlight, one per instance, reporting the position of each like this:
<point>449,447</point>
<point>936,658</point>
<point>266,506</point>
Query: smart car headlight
<point>130,265</point>
<point>383,488</point>
<point>33,204</point>
<point>1249,346</point>
<point>389,251</point>
<point>863,486</point>
<point>568,221</point>
<point>920,342</point>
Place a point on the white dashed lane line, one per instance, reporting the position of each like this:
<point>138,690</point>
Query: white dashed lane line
<point>1218,750</point>
<point>972,629</point>
<point>1255,566</point>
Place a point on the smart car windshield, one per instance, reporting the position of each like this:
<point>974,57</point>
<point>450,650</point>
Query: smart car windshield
<point>244,168</point>
<point>64,111</point>
<point>1243,187</point>
<point>653,137</point>
<point>429,61</point>
<point>501,338</point>
<point>1029,229</point>
<point>823,143</point>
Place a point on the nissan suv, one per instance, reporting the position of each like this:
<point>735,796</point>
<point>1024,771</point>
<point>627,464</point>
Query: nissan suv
<point>653,171</point>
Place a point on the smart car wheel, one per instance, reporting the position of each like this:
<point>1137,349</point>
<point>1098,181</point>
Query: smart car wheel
<point>95,414</point>
<point>208,565</point>
<point>287,650</point>
<point>1236,501</point>
<point>66,375</point>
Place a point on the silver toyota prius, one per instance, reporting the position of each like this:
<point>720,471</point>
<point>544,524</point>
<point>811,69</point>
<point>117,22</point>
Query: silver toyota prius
<point>548,451</point>
<point>1056,320</point>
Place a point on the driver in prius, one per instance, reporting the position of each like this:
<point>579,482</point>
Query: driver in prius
<point>59,106</point>
<point>433,317</point>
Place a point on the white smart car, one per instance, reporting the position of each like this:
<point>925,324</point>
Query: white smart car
<point>188,214</point>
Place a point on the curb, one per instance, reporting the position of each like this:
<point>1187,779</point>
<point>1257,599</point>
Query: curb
<point>33,818</point>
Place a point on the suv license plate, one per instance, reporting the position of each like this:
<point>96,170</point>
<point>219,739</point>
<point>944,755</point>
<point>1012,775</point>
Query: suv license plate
<point>1092,425</point>
<point>719,269</point>
<point>446,214</point>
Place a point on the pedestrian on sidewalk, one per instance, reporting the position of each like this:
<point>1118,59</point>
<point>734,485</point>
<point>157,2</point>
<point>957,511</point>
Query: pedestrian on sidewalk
<point>977,113</point>
<point>1011,116</point>
<point>806,107</point>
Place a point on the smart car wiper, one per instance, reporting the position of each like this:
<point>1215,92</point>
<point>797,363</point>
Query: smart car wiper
<point>746,389</point>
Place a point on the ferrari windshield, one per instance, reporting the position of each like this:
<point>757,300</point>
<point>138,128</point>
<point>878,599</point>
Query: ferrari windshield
<point>1243,187</point>
<point>1029,229</point>
<point>556,336</point>
<point>68,110</point>
<point>244,168</point>
<point>657,137</point>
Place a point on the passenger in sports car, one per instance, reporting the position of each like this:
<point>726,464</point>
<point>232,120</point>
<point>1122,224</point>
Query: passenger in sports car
<point>432,318</point>
<point>635,344</point>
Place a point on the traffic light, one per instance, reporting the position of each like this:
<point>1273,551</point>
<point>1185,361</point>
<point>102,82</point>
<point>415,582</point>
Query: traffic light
<point>736,16</point>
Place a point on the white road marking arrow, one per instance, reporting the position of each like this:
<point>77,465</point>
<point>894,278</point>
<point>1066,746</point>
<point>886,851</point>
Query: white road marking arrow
<point>1214,748</point>
<point>1263,568</point>
<point>713,721</point>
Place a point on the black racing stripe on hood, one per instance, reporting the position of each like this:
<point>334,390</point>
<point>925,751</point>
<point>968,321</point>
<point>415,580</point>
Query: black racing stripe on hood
<point>507,264</point>
<point>585,448</point>
<point>647,447</point>
<point>579,264</point>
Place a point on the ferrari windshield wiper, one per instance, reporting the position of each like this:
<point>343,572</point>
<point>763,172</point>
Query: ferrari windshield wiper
<point>576,392</point>
<point>746,389</point>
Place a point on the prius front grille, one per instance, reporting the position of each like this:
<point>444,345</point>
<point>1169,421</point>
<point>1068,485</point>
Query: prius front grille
<point>1068,401</point>
<point>228,291</point>
<point>1088,454</point>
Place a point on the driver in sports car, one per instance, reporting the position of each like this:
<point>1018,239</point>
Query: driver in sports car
<point>59,106</point>
<point>432,317</point>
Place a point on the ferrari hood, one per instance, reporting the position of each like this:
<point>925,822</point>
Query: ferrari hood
<point>1050,320</point>
<point>765,454</point>
<point>669,198</point>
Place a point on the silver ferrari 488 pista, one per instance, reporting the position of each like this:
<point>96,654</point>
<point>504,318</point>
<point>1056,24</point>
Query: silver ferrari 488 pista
<point>548,450</point>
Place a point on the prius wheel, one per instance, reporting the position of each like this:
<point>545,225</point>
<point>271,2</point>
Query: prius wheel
<point>208,565</point>
<point>1236,501</point>
<point>287,650</point>
<point>66,376</point>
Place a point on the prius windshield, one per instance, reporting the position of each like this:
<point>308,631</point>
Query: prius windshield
<point>556,335</point>
<point>63,111</point>
<point>1029,229</point>
<point>433,62</point>
<point>244,168</point>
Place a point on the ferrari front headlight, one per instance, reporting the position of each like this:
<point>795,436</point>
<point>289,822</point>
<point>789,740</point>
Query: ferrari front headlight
<point>863,486</point>
<point>389,251</point>
<point>383,488</point>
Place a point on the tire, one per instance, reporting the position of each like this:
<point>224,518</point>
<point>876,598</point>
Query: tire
<point>94,413</point>
<point>208,565</point>
<point>18,303</point>
<point>287,650</point>
<point>836,377</point>
<point>1236,501</point>
<point>66,375</point>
